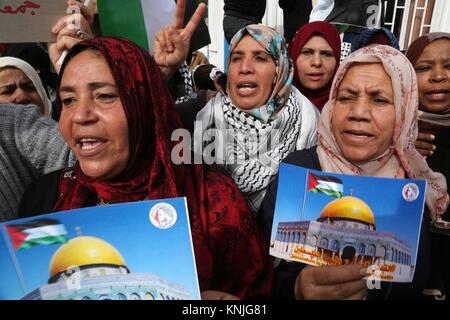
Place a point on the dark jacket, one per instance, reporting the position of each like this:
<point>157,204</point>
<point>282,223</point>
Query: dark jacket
<point>41,196</point>
<point>245,8</point>
<point>295,15</point>
<point>440,240</point>
<point>286,272</point>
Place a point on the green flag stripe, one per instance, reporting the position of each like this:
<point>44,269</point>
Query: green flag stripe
<point>128,22</point>
<point>331,193</point>
<point>46,241</point>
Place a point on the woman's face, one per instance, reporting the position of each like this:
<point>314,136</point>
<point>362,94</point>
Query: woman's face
<point>363,118</point>
<point>433,76</point>
<point>316,63</point>
<point>16,87</point>
<point>93,121</point>
<point>251,74</point>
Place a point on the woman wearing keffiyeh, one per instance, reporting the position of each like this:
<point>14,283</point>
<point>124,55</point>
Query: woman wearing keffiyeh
<point>262,118</point>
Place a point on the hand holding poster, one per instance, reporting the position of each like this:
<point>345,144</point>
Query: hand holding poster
<point>333,219</point>
<point>129,251</point>
<point>29,21</point>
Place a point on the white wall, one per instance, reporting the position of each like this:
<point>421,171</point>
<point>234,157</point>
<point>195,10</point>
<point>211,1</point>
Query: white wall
<point>441,16</point>
<point>215,51</point>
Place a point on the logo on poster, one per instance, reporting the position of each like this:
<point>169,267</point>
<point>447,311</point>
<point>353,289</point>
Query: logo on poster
<point>410,192</point>
<point>163,215</point>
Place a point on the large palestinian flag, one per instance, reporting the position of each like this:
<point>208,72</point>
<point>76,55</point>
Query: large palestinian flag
<point>41,231</point>
<point>329,185</point>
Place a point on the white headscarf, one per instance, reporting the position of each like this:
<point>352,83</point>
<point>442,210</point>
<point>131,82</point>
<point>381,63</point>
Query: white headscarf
<point>31,73</point>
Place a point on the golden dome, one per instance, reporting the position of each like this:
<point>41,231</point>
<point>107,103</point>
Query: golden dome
<point>83,251</point>
<point>348,208</point>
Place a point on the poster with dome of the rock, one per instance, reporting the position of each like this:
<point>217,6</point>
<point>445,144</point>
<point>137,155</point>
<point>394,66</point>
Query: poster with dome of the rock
<point>334,219</point>
<point>131,251</point>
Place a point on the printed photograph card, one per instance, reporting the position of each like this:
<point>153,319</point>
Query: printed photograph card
<point>332,219</point>
<point>131,251</point>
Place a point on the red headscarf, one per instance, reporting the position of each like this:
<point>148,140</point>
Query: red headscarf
<point>227,245</point>
<point>317,97</point>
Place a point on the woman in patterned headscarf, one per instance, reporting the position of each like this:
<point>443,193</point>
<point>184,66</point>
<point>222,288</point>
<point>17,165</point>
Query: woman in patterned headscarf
<point>262,118</point>
<point>368,128</point>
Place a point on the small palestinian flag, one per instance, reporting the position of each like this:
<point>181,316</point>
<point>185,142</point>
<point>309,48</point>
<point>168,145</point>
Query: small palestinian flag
<point>33,233</point>
<point>329,185</point>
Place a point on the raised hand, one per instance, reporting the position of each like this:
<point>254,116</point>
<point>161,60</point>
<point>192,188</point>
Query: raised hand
<point>171,45</point>
<point>424,144</point>
<point>70,30</point>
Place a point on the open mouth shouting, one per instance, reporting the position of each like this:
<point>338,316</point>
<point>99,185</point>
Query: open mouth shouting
<point>438,95</point>
<point>246,88</point>
<point>90,146</point>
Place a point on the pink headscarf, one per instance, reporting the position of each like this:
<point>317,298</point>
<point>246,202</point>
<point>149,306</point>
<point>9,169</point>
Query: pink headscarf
<point>402,157</point>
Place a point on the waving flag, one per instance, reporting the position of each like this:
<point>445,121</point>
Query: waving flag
<point>33,233</point>
<point>136,20</point>
<point>329,185</point>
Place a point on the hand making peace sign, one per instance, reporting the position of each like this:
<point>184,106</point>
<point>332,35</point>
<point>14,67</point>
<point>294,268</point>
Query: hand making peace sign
<point>171,44</point>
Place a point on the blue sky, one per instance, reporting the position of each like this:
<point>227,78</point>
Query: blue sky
<point>146,249</point>
<point>384,196</point>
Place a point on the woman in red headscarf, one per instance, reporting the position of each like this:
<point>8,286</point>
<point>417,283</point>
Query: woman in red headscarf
<point>117,116</point>
<point>316,53</point>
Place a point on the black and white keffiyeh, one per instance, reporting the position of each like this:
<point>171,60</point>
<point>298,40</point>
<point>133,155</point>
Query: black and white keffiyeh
<point>251,150</point>
<point>188,88</point>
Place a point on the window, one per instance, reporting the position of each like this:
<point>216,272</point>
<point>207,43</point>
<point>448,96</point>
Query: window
<point>372,250</point>
<point>135,296</point>
<point>149,296</point>
<point>336,245</point>
<point>324,243</point>
<point>362,249</point>
<point>121,296</point>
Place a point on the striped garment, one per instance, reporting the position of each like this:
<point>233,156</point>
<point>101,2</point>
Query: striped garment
<point>253,149</point>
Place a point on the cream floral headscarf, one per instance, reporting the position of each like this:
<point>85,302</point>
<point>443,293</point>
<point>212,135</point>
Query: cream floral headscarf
<point>401,158</point>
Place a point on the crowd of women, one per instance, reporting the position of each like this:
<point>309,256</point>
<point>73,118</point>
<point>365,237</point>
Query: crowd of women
<point>377,113</point>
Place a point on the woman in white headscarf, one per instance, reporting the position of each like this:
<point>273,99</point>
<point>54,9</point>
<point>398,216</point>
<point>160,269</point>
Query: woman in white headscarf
<point>20,84</point>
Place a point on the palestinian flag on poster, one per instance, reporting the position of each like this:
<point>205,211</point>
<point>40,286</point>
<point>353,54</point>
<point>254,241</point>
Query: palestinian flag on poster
<point>345,13</point>
<point>136,20</point>
<point>33,233</point>
<point>329,185</point>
